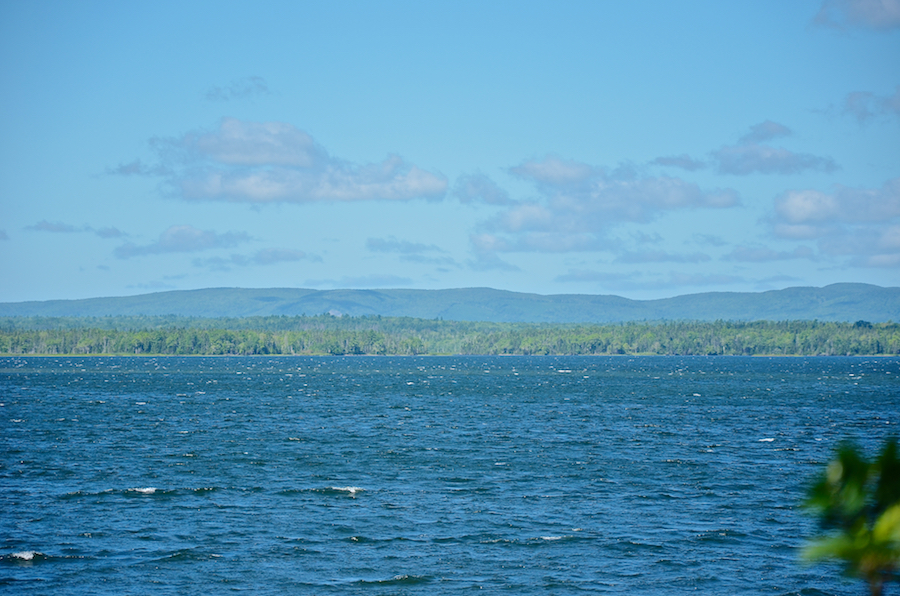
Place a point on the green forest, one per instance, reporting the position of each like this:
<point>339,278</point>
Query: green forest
<point>375,335</point>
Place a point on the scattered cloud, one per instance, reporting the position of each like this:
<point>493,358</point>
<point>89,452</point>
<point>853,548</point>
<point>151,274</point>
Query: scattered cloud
<point>273,162</point>
<point>741,160</point>
<point>710,239</point>
<point>765,131</point>
<point>138,168</point>
<point>488,261</point>
<point>660,256</point>
<point>410,251</point>
<point>54,227</point>
<point>392,245</point>
<point>64,228</point>
<point>554,171</point>
<point>683,161</point>
<point>110,232</point>
<point>865,106</point>
<point>3,235</point>
<point>749,156</point>
<point>239,89</point>
<point>268,256</point>
<point>182,238</point>
<point>869,14</point>
<point>863,224</point>
<point>478,188</point>
<point>762,254</point>
<point>645,238</point>
<point>578,203</point>
<point>365,281</point>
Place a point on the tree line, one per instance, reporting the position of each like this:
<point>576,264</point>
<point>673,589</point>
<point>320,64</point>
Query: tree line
<point>375,335</point>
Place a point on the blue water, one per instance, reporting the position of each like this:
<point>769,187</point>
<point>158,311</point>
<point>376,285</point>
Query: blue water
<point>424,475</point>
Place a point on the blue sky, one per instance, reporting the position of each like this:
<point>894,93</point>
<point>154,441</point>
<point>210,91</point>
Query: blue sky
<point>645,149</point>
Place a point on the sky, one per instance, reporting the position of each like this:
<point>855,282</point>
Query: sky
<point>645,149</point>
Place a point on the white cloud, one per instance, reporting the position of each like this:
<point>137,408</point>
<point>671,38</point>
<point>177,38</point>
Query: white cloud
<point>843,205</point>
<point>182,238</point>
<point>554,171</point>
<point>863,224</point>
<point>870,14</point>
<point>478,188</point>
<point>276,162</point>
<point>683,161</point>
<point>749,156</point>
<point>765,131</point>
<point>752,158</point>
<point>577,204</point>
<point>251,144</point>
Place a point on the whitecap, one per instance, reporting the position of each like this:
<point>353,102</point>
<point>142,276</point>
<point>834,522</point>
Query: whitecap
<point>347,489</point>
<point>144,491</point>
<point>767,440</point>
<point>26,555</point>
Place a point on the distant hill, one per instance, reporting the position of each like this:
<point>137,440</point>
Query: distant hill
<point>837,302</point>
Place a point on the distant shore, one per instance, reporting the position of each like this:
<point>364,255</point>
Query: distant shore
<point>402,336</point>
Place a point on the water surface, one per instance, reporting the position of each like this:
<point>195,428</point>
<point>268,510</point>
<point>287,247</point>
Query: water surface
<point>424,475</point>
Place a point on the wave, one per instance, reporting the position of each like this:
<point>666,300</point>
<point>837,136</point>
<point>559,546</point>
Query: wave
<point>397,580</point>
<point>533,541</point>
<point>25,557</point>
<point>144,491</point>
<point>328,490</point>
<point>350,490</point>
<point>140,492</point>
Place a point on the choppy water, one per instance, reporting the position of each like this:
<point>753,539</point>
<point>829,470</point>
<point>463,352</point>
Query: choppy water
<point>431,475</point>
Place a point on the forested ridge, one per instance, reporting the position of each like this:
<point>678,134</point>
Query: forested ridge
<point>375,335</point>
<point>836,302</point>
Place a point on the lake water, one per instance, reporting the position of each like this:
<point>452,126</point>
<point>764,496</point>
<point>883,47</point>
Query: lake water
<point>424,475</point>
